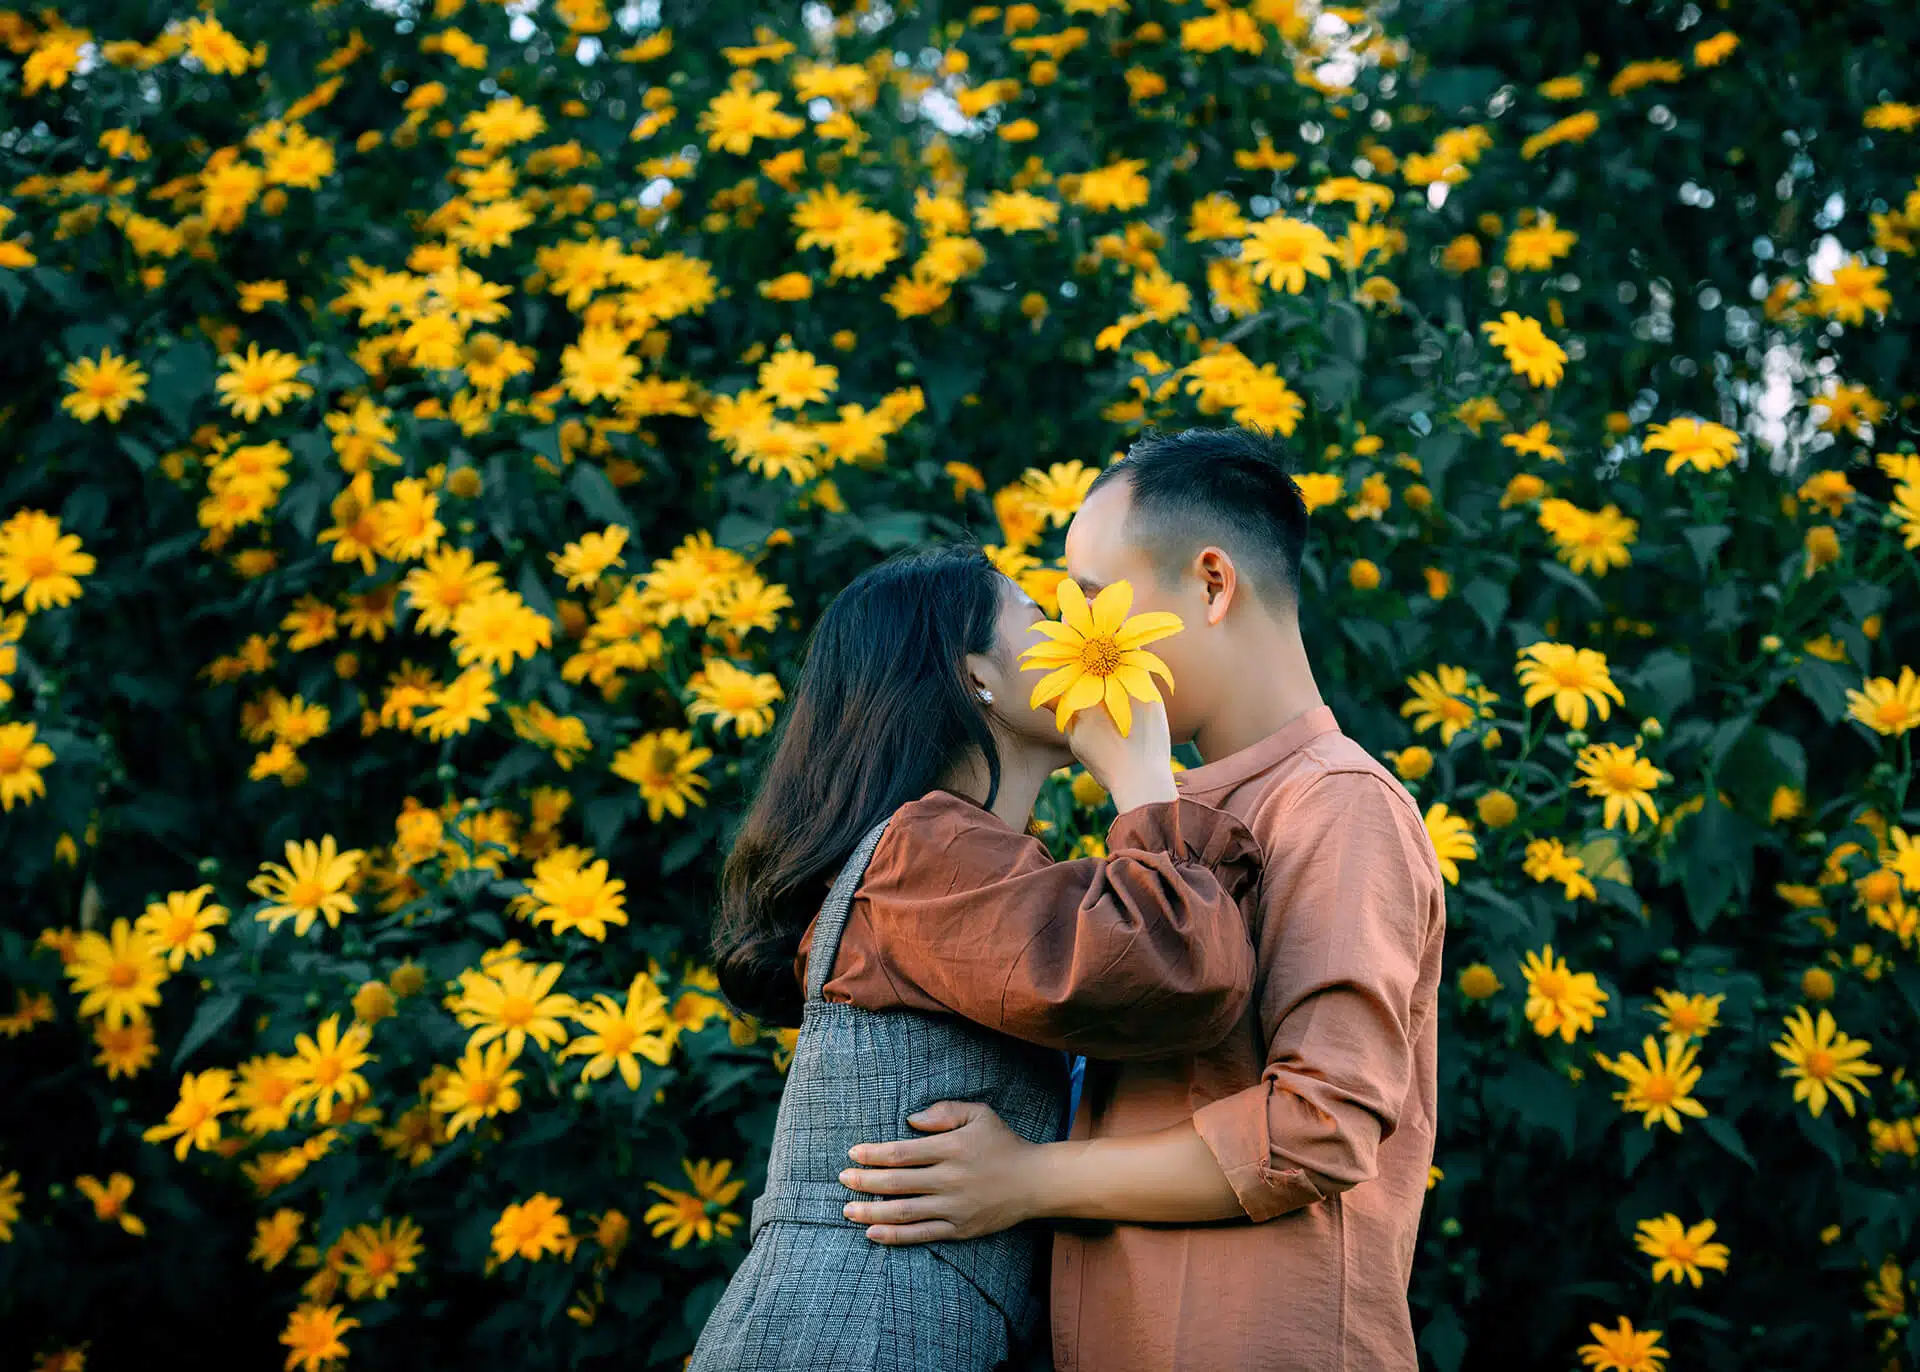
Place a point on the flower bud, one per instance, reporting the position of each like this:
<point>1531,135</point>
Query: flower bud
<point>1497,809</point>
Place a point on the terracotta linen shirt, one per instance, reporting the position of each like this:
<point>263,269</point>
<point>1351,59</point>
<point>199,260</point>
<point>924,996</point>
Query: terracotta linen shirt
<point>1319,1106</point>
<point>1143,952</point>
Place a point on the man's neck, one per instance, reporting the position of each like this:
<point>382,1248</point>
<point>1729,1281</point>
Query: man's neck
<point>1278,689</point>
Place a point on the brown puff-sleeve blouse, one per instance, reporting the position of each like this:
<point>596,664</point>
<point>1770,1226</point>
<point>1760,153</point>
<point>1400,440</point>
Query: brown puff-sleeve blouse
<point>1140,954</point>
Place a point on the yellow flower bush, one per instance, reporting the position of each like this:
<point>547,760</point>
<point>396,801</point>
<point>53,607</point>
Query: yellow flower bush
<point>432,429</point>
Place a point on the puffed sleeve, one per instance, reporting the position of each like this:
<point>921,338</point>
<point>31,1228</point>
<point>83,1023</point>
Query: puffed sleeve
<point>1142,953</point>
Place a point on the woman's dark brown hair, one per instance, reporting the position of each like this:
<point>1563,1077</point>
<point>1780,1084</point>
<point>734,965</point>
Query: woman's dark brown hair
<point>883,710</point>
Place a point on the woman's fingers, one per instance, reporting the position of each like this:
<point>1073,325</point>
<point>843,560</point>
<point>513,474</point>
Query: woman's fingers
<point>892,1181</point>
<point>947,1114</point>
<point>901,1152</point>
<point>912,1210</point>
<point>905,1235</point>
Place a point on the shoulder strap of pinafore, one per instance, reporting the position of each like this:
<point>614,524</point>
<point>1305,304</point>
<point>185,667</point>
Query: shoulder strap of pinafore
<point>832,920</point>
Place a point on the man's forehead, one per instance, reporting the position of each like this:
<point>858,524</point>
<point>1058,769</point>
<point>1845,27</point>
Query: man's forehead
<point>1097,549</point>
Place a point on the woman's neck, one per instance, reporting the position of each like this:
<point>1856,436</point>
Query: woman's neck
<point>1023,771</point>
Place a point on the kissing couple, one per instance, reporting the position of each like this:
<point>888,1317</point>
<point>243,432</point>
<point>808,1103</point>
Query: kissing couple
<point>1249,976</point>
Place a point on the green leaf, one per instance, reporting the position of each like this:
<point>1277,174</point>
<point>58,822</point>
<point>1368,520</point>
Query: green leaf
<point>1346,331</point>
<point>1461,89</point>
<point>1553,571</point>
<point>181,376</point>
<point>1668,676</point>
<point>534,591</point>
<point>946,382</point>
<point>896,530</point>
<point>1437,455</point>
<point>211,1016</point>
<point>1444,1340</point>
<point>1822,1133</point>
<point>1488,600</point>
<point>738,530</point>
<point>1724,604</point>
<point>1725,735</point>
<point>682,851</point>
<point>545,442</point>
<point>1480,897</point>
<point>1824,686</point>
<point>1789,753</point>
<point>604,817</point>
<point>142,456</point>
<point>169,549</point>
<point>1719,860</point>
<point>1634,1147</point>
<point>598,497</point>
<point>1333,383</point>
<point>1723,1132</point>
<point>1369,637</point>
<point>1705,541</point>
<point>1865,598</point>
<point>1619,895</point>
<point>522,762</point>
<point>89,339</point>
<point>1537,1097</point>
<point>1906,977</point>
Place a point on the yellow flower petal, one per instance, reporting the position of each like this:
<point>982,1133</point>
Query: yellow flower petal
<point>1109,608</point>
<point>1073,606</point>
<point>1150,662</point>
<point>1119,706</point>
<point>1052,684</point>
<point>1048,654</point>
<point>1135,679</point>
<point>1055,630</point>
<point>1088,690</point>
<point>1148,627</point>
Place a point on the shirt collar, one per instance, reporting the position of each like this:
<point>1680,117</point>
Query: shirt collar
<point>1259,757</point>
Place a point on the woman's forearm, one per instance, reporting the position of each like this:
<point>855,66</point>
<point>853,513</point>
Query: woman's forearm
<point>1169,1177</point>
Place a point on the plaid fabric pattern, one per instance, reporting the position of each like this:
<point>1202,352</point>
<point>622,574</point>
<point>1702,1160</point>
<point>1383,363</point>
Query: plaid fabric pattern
<point>814,1295</point>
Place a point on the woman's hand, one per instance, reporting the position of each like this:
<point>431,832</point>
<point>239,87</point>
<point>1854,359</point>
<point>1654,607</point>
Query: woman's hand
<point>1138,768</point>
<point>972,1176</point>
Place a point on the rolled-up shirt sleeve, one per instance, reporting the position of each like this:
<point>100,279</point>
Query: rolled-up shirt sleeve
<point>1345,911</point>
<point>1142,953</point>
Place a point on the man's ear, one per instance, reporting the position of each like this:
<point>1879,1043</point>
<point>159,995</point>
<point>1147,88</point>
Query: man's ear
<point>1219,580</point>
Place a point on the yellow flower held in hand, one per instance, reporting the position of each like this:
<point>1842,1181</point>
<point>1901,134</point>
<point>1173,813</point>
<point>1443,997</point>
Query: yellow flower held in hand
<point>1097,654</point>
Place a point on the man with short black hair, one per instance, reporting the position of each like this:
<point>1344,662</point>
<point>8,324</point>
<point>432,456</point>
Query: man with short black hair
<point>1313,1122</point>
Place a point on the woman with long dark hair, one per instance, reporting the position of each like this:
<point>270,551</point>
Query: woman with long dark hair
<point>887,850</point>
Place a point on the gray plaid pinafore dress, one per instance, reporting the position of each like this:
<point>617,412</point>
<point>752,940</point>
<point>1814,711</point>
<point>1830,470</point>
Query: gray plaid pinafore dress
<point>814,1294</point>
